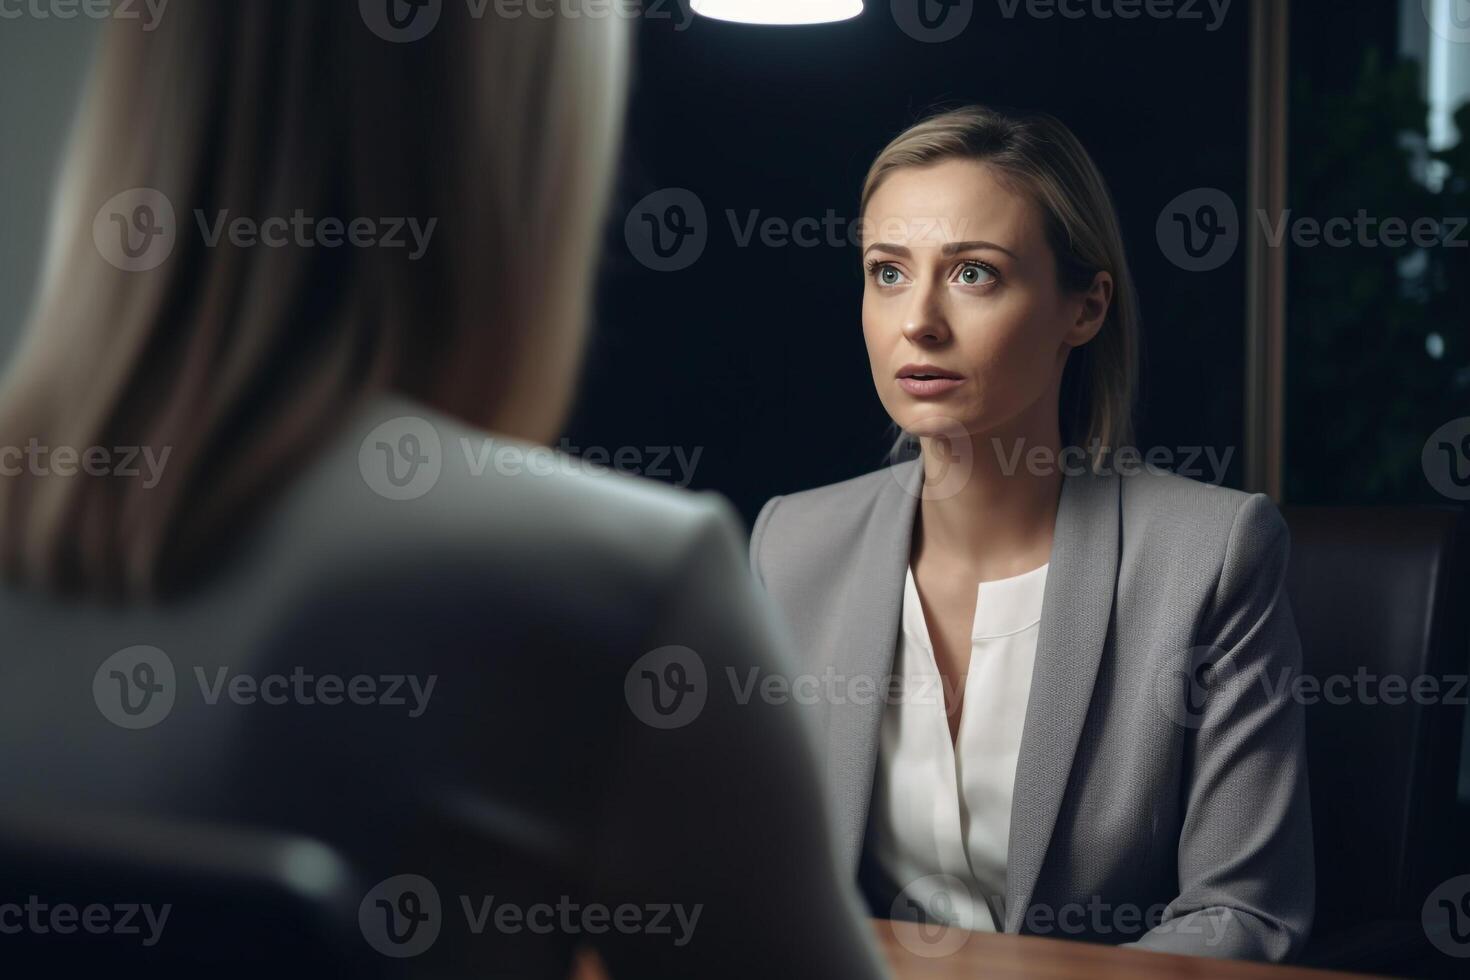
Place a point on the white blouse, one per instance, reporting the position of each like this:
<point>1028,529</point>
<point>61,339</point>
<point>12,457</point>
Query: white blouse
<point>942,809</point>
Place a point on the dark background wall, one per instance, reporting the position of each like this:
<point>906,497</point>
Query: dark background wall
<point>752,356</point>
<point>756,354</point>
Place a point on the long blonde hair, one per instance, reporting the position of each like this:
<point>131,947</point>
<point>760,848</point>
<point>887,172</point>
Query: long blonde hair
<point>238,361</point>
<point>1039,157</point>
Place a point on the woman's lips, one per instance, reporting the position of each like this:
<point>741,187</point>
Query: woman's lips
<point>929,387</point>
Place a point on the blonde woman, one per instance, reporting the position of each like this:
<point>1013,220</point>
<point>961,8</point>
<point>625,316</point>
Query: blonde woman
<point>1074,655</point>
<point>317,612</point>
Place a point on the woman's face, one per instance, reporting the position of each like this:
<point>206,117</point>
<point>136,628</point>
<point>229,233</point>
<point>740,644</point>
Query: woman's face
<point>960,279</point>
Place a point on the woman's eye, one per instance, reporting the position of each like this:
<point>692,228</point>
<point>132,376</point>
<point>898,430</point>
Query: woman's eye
<point>974,274</point>
<point>889,276</point>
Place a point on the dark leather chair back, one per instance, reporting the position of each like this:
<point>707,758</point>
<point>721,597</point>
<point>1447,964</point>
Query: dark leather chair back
<point>1380,597</point>
<point>239,904</point>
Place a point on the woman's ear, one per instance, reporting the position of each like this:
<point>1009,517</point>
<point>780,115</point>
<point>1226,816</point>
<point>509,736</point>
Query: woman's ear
<point>1092,311</point>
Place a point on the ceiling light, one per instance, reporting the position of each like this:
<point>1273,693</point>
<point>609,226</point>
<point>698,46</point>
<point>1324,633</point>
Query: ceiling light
<point>779,11</point>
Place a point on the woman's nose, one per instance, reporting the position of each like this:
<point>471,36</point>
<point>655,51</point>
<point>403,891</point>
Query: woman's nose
<point>924,322</point>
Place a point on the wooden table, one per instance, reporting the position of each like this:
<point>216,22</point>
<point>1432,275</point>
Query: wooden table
<point>1003,956</point>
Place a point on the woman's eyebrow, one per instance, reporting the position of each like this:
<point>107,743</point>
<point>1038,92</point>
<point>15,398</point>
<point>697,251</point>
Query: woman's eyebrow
<point>952,248</point>
<point>955,247</point>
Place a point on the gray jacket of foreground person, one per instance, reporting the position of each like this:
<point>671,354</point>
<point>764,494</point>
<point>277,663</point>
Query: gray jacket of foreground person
<point>1161,787</point>
<point>451,657</point>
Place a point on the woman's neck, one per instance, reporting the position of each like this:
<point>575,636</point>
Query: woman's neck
<point>990,501</point>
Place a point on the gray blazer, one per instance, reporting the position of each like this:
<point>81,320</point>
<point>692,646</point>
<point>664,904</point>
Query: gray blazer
<point>1162,772</point>
<point>474,636</point>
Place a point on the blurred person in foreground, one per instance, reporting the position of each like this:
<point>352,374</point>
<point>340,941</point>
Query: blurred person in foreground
<point>290,553</point>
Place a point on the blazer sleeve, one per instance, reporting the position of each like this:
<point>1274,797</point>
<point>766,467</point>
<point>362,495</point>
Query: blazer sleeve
<point>724,812</point>
<point>1245,851</point>
<point>757,535</point>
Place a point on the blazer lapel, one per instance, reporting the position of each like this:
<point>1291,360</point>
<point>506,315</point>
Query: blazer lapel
<point>872,603</point>
<point>1075,612</point>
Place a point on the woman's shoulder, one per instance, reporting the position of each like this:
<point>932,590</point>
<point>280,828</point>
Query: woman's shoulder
<point>804,527</point>
<point>1147,494</point>
<point>403,486</point>
<point>1165,499</point>
<point>1189,528</point>
<point>822,509</point>
<point>1160,511</point>
<point>858,490</point>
